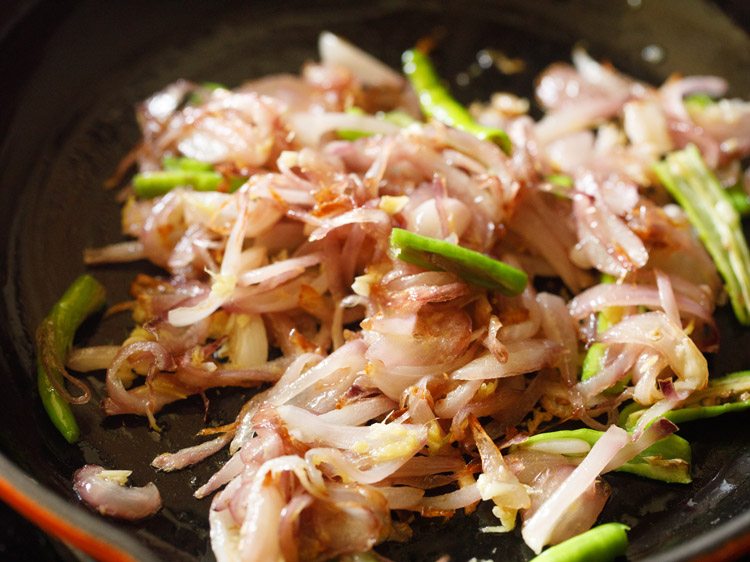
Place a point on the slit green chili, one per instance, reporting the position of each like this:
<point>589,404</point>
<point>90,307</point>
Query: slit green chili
<point>667,460</point>
<point>723,395</point>
<point>54,339</point>
<point>711,212</point>
<point>437,102</point>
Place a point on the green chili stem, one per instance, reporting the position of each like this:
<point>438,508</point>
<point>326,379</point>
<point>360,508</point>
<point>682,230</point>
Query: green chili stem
<point>54,339</point>
<point>437,102</point>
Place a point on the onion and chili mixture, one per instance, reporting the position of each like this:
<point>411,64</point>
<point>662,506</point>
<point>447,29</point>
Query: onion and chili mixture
<point>364,254</point>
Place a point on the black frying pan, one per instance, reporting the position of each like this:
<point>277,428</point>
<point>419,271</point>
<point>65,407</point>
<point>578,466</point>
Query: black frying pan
<point>71,73</point>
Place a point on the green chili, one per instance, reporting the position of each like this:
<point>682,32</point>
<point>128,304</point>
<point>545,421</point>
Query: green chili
<point>605,319</point>
<point>396,117</point>
<point>353,134</point>
<point>400,118</point>
<point>723,395</point>
<point>437,102</point>
<point>622,419</point>
<point>667,460</point>
<point>54,339</point>
<point>471,266</point>
<point>600,544</point>
<point>185,164</point>
<point>739,198</point>
<point>199,97</point>
<point>153,184</point>
<point>698,101</point>
<point>560,180</point>
<point>181,171</point>
<point>711,212</point>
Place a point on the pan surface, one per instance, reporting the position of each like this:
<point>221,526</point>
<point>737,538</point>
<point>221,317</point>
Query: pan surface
<point>71,74</point>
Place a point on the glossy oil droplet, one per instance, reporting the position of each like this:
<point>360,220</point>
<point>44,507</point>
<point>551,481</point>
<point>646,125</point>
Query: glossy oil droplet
<point>653,54</point>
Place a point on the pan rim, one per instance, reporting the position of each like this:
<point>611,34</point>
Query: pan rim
<point>42,504</point>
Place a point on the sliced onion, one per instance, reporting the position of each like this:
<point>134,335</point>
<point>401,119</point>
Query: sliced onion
<point>224,536</point>
<point>260,528</point>
<point>224,282</point>
<point>191,455</point>
<point>497,482</point>
<point>119,400</point>
<point>537,530</point>
<point>347,359</point>
<point>310,127</point>
<point>425,466</point>
<point>603,296</point>
<point>525,356</point>
<point>457,398</point>
<point>401,497</point>
<point>115,253</point>
<point>646,126</point>
<point>353,518</point>
<point>338,464</point>
<point>600,75</point>
<point>452,501</point>
<point>232,468</point>
<point>289,525</point>
<point>231,127</point>
<point>381,442</point>
<point>247,345</point>
<point>93,358</point>
<point>541,227</point>
<point>646,373</point>
<point>609,244</point>
<point>674,91</point>
<point>105,491</point>
<point>360,412</point>
<point>278,272</point>
<point>334,50</point>
<point>656,331</point>
<point>560,328</point>
<point>616,363</point>
<point>376,217</point>
<point>642,439</point>
<point>667,297</point>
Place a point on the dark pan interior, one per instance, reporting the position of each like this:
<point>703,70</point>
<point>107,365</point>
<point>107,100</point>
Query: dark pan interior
<point>72,72</point>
